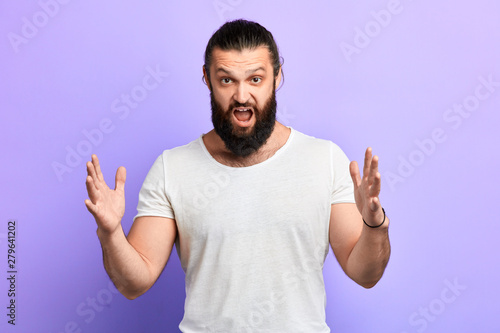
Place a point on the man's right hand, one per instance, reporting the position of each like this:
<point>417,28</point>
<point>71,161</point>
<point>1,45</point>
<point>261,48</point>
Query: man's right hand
<point>107,205</point>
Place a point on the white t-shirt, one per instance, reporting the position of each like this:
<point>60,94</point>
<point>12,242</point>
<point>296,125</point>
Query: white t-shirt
<point>251,240</point>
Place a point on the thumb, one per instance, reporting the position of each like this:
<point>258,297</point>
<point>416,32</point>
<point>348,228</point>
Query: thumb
<point>121,176</point>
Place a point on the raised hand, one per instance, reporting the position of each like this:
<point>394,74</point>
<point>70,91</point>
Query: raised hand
<point>367,189</point>
<point>106,205</point>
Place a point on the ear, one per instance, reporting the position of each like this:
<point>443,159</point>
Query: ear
<point>277,80</point>
<point>207,81</point>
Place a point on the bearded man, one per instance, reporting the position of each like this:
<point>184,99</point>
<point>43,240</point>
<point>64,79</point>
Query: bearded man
<point>252,206</point>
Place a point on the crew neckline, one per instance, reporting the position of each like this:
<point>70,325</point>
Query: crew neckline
<point>276,155</point>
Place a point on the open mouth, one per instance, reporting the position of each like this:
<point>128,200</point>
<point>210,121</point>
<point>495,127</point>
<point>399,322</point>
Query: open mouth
<point>243,116</point>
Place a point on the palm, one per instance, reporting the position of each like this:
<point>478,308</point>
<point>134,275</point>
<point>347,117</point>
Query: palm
<point>107,205</point>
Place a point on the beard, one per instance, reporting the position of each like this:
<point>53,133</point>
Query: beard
<point>241,143</point>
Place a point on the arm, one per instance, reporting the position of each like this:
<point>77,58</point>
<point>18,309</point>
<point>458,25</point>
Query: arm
<point>361,251</point>
<point>135,262</point>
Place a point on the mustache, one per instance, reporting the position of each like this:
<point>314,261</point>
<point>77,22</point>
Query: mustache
<point>241,105</point>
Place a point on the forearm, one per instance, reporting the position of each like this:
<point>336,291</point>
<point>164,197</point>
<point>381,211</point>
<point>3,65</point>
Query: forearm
<point>368,259</point>
<point>128,270</point>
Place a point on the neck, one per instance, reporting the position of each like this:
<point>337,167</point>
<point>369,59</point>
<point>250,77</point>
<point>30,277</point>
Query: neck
<point>221,154</point>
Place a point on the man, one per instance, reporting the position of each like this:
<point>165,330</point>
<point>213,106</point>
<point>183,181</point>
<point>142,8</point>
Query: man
<point>252,206</point>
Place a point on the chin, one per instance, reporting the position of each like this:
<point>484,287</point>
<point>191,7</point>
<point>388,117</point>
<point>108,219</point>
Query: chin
<point>243,131</point>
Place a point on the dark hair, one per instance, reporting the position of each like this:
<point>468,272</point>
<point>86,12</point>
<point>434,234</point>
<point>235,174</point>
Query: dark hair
<point>239,35</point>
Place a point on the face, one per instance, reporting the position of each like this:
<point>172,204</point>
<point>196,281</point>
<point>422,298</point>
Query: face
<point>243,98</point>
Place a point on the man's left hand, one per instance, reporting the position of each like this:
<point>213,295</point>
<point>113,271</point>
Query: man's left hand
<point>367,189</point>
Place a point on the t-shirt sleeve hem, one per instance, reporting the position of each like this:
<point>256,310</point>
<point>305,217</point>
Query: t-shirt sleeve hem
<point>169,216</point>
<point>342,201</point>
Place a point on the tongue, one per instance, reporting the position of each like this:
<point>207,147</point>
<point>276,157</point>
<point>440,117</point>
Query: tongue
<point>243,115</point>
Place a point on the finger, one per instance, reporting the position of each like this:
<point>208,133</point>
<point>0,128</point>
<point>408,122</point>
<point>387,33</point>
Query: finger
<point>92,173</point>
<point>91,170</point>
<point>121,176</point>
<point>90,207</point>
<point>375,188</point>
<point>91,189</point>
<point>354,170</point>
<point>373,169</point>
<point>97,166</point>
<point>367,163</point>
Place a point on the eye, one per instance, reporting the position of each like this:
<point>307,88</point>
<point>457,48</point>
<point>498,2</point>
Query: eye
<point>256,79</point>
<point>226,80</point>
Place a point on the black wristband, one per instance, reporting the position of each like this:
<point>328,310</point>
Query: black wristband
<point>371,226</point>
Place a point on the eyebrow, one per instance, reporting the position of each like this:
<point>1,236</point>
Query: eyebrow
<point>250,71</point>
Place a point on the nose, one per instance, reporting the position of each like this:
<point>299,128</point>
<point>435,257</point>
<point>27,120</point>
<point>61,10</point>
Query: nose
<point>242,93</point>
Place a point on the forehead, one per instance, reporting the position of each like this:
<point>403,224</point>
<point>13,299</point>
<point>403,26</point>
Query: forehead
<point>244,59</point>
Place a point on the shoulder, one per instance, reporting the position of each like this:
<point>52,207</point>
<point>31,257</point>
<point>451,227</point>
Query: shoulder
<point>175,156</point>
<point>184,159</point>
<point>189,150</point>
<point>304,141</point>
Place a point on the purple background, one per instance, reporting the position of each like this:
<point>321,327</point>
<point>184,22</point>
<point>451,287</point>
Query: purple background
<point>353,74</point>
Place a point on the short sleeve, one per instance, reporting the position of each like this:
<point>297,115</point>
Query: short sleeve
<point>153,200</point>
<point>342,188</point>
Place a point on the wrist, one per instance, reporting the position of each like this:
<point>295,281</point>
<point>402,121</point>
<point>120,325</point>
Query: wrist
<point>106,234</point>
<point>375,223</point>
